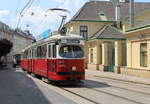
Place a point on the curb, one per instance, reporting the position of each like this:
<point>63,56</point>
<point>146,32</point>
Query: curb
<point>138,82</point>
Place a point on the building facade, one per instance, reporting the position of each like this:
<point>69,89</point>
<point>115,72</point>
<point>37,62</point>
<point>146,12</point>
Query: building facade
<point>19,39</point>
<point>91,18</point>
<point>95,14</point>
<point>106,50</point>
<point>138,52</point>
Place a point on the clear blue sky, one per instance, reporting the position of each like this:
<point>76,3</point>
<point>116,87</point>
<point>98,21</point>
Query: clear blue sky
<point>9,10</point>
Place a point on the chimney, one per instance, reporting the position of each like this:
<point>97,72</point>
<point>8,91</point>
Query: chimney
<point>117,12</point>
<point>131,13</point>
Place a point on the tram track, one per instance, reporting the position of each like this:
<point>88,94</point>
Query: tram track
<point>59,90</point>
<point>93,89</point>
<point>115,95</point>
<point>127,88</point>
<point>100,91</point>
<point>80,96</point>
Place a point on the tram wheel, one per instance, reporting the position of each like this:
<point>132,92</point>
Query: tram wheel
<point>55,83</point>
<point>28,72</point>
<point>38,76</point>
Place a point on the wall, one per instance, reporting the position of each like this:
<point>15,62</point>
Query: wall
<point>20,43</point>
<point>95,45</point>
<point>133,53</point>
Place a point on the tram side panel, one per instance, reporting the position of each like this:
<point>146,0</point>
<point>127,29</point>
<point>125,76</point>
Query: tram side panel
<point>22,64</point>
<point>40,67</point>
<point>33,65</point>
<point>29,65</point>
<point>51,69</point>
<point>25,64</point>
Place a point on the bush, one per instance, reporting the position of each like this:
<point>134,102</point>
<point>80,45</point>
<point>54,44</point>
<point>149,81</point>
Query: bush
<point>5,47</point>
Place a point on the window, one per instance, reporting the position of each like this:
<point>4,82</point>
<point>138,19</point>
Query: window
<point>29,54</point>
<point>25,54</point>
<point>41,51</point>
<point>102,16</point>
<point>35,53</point>
<point>91,55</point>
<point>71,51</point>
<point>54,51</point>
<point>49,51</point>
<point>84,32</point>
<point>143,54</point>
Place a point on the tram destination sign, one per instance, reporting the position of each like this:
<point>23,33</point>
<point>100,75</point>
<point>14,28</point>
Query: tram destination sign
<point>69,41</point>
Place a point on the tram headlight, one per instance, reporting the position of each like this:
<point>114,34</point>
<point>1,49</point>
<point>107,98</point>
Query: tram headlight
<point>74,68</point>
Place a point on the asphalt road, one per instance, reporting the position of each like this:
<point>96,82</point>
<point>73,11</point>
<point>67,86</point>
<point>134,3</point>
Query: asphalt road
<point>17,87</point>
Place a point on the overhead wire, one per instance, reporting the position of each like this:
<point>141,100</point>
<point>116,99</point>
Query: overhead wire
<point>62,3</point>
<point>26,6</point>
<point>18,5</point>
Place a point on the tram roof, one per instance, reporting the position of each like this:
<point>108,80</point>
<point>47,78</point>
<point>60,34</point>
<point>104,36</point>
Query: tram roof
<point>67,36</point>
<point>56,38</point>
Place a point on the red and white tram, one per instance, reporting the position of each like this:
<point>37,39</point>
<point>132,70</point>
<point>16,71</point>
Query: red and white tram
<point>57,58</point>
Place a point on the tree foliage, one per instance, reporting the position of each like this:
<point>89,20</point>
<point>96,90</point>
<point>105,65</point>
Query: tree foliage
<point>5,47</point>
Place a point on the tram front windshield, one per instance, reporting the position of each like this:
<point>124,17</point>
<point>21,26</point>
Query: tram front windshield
<point>71,51</point>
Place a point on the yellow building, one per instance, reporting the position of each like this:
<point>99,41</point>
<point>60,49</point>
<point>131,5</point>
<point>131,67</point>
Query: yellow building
<point>106,50</point>
<point>95,15</point>
<point>138,52</point>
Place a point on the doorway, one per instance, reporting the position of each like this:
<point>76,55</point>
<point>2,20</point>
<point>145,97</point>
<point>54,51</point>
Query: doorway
<point>111,57</point>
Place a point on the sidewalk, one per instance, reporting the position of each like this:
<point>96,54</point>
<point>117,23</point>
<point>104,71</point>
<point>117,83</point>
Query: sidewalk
<point>120,77</point>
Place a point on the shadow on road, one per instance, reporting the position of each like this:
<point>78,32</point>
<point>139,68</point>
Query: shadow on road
<point>17,88</point>
<point>85,83</point>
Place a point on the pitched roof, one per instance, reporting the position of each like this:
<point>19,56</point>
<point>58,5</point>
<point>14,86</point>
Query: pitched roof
<point>91,10</point>
<point>108,32</point>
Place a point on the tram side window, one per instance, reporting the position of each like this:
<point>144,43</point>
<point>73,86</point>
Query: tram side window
<point>43,51</point>
<point>25,54</point>
<point>54,51</point>
<point>49,51</point>
<point>39,52</point>
<point>35,52</point>
<point>29,54</point>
